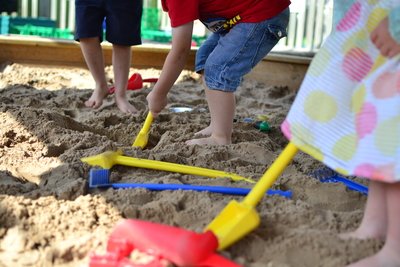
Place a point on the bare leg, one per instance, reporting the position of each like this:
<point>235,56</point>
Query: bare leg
<point>374,222</point>
<point>93,55</point>
<point>208,130</point>
<point>222,110</point>
<point>389,255</point>
<point>121,64</point>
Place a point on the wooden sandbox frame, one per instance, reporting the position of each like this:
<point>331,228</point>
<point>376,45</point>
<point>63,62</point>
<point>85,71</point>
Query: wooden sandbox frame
<point>275,69</point>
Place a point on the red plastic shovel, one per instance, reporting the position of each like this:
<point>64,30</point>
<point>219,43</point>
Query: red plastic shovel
<point>160,241</point>
<point>135,82</point>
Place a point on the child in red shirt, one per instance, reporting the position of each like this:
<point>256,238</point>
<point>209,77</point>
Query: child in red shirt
<point>244,32</point>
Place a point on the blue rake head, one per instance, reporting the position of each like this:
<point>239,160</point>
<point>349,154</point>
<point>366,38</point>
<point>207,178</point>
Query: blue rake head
<point>327,175</point>
<point>99,178</point>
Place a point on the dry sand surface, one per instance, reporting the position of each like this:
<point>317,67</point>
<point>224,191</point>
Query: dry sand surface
<point>49,216</point>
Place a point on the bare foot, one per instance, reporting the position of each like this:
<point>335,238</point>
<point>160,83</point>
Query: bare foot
<point>96,99</point>
<point>205,132</point>
<point>387,257</point>
<point>209,141</point>
<point>365,233</point>
<point>124,105</point>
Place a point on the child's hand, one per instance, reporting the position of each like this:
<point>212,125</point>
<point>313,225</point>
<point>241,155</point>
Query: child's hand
<point>384,41</point>
<point>156,102</point>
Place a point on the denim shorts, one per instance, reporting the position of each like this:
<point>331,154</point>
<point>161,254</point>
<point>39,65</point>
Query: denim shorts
<point>225,58</point>
<point>122,20</point>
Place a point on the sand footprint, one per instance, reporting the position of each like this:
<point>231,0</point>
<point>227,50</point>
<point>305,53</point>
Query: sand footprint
<point>333,196</point>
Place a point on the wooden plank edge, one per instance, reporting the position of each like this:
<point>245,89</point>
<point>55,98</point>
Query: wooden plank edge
<point>274,69</point>
<point>48,51</point>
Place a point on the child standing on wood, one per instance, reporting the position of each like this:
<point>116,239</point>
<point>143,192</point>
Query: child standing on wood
<point>244,32</point>
<point>122,19</point>
<point>347,114</point>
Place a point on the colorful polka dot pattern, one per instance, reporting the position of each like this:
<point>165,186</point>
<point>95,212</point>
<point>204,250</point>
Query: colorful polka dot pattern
<point>357,64</point>
<point>347,112</point>
<point>351,18</point>
<point>366,120</point>
<point>320,106</point>
<point>387,85</point>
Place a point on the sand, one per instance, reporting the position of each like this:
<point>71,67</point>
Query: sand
<point>49,216</point>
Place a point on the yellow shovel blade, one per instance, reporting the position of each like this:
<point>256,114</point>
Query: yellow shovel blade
<point>104,160</point>
<point>235,221</point>
<point>238,219</point>
<point>143,136</point>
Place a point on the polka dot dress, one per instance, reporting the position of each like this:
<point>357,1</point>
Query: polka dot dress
<point>347,112</point>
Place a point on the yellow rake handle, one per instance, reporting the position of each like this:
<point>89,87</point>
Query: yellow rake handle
<point>270,176</point>
<point>178,168</point>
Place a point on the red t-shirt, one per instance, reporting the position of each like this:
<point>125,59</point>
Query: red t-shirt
<point>183,11</point>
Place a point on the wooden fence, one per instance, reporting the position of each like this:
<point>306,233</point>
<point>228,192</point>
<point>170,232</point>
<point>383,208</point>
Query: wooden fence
<point>310,20</point>
<point>309,25</point>
<point>62,11</point>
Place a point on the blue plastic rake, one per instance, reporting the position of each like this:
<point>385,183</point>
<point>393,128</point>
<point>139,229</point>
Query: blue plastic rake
<point>100,178</point>
<point>327,175</point>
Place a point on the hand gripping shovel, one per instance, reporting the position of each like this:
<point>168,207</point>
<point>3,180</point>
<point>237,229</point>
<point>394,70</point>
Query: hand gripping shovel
<point>143,137</point>
<point>238,219</point>
<point>135,82</point>
<point>110,158</point>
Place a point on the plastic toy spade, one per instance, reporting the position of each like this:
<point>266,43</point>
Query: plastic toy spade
<point>110,158</point>
<point>135,82</point>
<point>238,219</point>
<point>143,136</point>
<point>160,241</point>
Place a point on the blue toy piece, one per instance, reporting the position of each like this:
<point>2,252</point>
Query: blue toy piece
<point>99,178</point>
<point>327,175</point>
<point>248,120</point>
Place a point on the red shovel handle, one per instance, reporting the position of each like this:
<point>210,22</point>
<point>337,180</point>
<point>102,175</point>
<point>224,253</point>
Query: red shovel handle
<point>150,80</point>
<point>135,82</point>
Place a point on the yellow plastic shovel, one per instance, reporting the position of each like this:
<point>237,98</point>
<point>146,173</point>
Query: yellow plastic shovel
<point>110,158</point>
<point>238,219</point>
<point>143,136</point>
